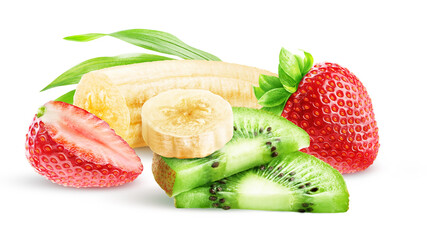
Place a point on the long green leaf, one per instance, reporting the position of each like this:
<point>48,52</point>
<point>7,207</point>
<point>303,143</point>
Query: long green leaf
<point>73,75</point>
<point>85,37</point>
<point>152,40</point>
<point>68,97</point>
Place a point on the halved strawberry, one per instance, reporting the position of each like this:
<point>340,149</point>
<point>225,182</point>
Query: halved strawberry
<point>73,147</point>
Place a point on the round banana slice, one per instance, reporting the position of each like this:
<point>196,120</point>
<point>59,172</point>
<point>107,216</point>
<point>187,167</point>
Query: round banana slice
<point>186,123</point>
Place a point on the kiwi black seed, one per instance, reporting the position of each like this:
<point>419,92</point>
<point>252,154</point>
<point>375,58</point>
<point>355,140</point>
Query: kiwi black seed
<point>273,149</point>
<point>226,207</point>
<point>215,164</point>
<point>222,200</point>
<point>261,129</point>
<point>212,198</point>
<point>274,154</point>
<point>269,129</point>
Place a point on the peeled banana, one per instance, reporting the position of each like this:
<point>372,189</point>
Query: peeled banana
<point>117,94</point>
<point>186,123</point>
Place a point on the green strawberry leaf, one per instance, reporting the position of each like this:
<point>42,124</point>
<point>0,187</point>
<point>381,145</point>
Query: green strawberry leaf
<point>267,82</point>
<point>273,92</point>
<point>73,75</point>
<point>308,62</point>
<point>154,40</point>
<point>300,61</point>
<point>258,92</point>
<point>67,98</point>
<point>277,110</point>
<point>287,82</point>
<point>289,64</point>
<point>273,97</point>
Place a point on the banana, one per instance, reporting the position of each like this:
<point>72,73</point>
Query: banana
<point>117,94</point>
<point>186,123</point>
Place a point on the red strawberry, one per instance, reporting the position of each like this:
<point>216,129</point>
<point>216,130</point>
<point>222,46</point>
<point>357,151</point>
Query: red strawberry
<point>73,147</point>
<point>331,104</point>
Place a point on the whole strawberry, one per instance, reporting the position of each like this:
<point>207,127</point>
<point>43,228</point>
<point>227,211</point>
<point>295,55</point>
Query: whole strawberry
<point>331,104</point>
<point>73,147</point>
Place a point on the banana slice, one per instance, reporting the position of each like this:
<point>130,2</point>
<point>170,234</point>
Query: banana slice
<point>186,123</point>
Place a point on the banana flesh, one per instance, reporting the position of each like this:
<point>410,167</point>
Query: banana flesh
<point>117,94</point>
<point>186,123</point>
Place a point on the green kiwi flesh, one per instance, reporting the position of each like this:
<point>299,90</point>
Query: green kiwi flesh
<point>294,182</point>
<point>258,138</point>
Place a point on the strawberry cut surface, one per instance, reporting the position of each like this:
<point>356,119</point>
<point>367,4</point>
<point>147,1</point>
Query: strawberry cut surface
<point>333,106</point>
<point>73,147</point>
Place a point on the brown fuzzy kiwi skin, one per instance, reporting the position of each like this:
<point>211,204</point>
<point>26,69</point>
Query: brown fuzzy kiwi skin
<point>163,174</point>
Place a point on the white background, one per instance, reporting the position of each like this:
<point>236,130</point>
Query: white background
<point>382,42</point>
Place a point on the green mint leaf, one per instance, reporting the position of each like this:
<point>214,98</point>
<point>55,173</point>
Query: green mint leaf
<point>258,92</point>
<point>157,41</point>
<point>273,98</point>
<point>67,98</point>
<point>73,75</point>
<point>267,82</point>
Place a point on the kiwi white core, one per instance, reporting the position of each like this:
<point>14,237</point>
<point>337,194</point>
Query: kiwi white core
<point>240,151</point>
<point>256,192</point>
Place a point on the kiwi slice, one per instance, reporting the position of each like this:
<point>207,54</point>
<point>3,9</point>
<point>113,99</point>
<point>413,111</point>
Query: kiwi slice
<point>295,182</point>
<point>258,138</point>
